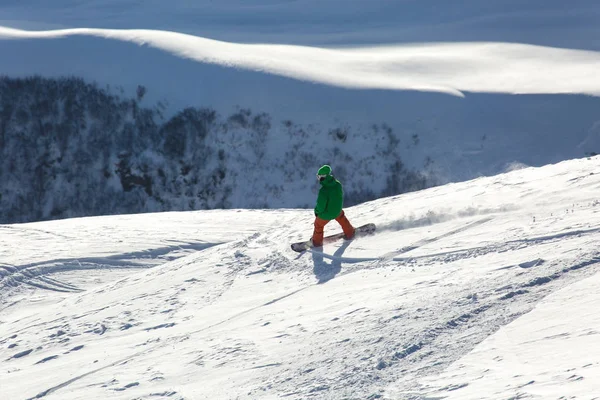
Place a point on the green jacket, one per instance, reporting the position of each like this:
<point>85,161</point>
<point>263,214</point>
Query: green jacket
<point>330,200</point>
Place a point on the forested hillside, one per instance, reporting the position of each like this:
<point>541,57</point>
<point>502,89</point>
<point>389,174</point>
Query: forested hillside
<point>71,148</point>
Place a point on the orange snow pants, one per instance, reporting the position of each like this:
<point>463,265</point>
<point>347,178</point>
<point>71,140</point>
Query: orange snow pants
<point>320,227</point>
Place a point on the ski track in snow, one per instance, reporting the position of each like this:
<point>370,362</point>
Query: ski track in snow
<point>35,273</point>
<point>252,319</point>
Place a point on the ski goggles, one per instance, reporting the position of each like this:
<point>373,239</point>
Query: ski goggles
<point>321,177</point>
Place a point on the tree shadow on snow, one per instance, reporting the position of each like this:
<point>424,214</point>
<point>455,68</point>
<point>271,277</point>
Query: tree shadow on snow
<point>325,270</point>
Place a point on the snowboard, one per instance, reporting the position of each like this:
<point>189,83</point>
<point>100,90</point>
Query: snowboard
<point>363,230</point>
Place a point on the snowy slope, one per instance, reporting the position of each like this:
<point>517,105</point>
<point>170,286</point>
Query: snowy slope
<point>550,352</point>
<point>327,64</point>
<point>85,252</point>
<point>462,285</point>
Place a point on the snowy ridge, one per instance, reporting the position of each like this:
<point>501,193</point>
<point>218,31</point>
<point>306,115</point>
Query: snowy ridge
<point>437,67</point>
<point>389,316</point>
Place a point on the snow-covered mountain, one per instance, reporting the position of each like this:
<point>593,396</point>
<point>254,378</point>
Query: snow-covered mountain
<point>486,289</point>
<point>481,86</point>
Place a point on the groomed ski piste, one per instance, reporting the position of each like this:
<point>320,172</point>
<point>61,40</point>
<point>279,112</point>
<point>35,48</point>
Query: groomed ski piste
<point>486,289</point>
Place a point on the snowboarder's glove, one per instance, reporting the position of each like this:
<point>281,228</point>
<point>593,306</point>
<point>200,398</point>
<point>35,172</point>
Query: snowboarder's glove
<point>316,214</point>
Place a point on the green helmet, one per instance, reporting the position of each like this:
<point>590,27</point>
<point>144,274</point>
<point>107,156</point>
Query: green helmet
<point>324,171</point>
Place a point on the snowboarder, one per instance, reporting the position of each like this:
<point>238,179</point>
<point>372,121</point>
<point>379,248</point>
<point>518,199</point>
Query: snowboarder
<point>329,206</point>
